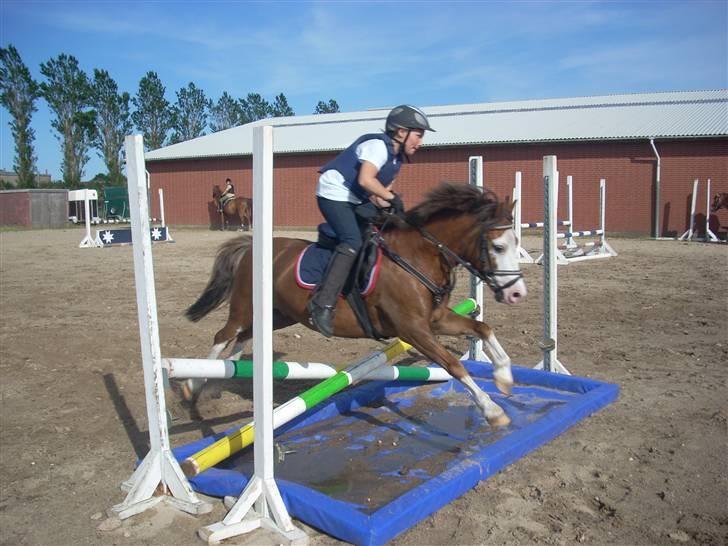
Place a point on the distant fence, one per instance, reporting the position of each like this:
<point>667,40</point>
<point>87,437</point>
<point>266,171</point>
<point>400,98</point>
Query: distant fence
<point>36,208</point>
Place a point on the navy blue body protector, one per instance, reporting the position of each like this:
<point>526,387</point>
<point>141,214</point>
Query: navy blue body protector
<point>347,163</point>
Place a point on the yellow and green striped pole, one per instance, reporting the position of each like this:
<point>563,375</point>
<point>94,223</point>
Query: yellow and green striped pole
<point>243,437</point>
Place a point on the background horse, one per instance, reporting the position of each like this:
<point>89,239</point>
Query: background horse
<point>239,209</point>
<point>454,225</point>
<point>720,201</point>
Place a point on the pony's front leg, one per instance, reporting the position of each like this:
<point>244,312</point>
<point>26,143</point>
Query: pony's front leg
<point>450,323</point>
<point>425,342</point>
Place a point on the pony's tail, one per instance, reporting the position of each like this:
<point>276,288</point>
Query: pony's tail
<point>220,284</point>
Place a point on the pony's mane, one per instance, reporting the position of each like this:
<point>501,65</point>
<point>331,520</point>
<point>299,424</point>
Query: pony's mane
<point>449,199</point>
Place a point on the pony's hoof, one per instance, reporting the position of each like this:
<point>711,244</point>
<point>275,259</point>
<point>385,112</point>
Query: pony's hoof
<point>504,387</point>
<point>503,378</point>
<point>499,421</point>
<point>188,395</point>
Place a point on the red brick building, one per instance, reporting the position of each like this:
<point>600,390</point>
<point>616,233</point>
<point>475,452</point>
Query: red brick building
<point>595,137</point>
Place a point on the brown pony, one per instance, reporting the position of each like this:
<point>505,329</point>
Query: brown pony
<point>239,209</point>
<point>720,201</point>
<point>454,225</point>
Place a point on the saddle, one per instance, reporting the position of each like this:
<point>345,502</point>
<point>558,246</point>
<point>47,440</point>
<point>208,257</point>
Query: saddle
<point>225,199</point>
<point>313,261</point>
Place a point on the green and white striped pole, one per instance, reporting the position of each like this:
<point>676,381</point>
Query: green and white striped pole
<point>243,437</point>
<point>186,368</point>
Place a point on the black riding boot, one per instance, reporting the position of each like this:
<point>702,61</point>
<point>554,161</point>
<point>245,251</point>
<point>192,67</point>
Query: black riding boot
<point>323,304</point>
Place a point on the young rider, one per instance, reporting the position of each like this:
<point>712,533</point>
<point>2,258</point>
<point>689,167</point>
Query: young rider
<point>228,194</point>
<point>363,172</point>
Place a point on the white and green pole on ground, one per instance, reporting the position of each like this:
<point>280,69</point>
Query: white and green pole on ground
<point>189,368</point>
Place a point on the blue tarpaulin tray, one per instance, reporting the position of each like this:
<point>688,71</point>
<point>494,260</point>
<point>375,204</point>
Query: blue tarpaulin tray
<point>374,460</point>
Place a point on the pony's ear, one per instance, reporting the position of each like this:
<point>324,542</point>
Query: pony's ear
<point>508,204</point>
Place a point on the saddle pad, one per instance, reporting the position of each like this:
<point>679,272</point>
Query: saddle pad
<point>311,266</point>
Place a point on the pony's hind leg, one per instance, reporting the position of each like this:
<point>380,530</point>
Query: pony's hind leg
<point>451,324</point>
<point>425,342</point>
<point>192,387</point>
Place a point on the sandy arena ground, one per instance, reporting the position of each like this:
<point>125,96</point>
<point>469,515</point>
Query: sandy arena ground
<point>648,469</point>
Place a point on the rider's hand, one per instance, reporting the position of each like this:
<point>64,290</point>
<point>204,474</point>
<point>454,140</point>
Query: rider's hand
<point>396,204</point>
<point>379,202</point>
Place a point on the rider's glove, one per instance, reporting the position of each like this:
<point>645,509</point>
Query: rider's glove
<point>396,204</point>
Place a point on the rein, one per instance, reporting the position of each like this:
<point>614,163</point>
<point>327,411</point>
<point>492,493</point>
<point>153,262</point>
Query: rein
<point>453,259</point>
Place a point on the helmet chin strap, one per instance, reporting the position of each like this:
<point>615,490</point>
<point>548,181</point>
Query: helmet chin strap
<point>401,146</point>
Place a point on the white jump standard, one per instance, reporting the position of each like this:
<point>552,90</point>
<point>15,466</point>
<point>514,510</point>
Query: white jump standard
<point>523,256</point>
<point>159,472</point>
<point>692,233</point>
<point>121,237</point>
<point>600,248</point>
<point>549,345</point>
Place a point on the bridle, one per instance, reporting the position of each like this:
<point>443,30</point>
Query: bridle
<point>486,274</point>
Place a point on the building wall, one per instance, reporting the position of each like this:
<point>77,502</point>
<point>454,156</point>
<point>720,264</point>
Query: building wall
<point>14,208</point>
<point>629,169</point>
<point>34,208</point>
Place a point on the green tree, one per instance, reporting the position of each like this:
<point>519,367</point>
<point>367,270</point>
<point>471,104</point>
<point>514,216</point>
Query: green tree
<point>68,93</point>
<point>152,115</point>
<point>189,114</point>
<point>332,107</point>
<point>280,107</point>
<point>254,107</point>
<point>224,114</point>
<point>113,122</point>
<point>18,93</point>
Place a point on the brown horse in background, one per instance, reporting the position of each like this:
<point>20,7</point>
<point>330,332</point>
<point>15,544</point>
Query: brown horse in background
<point>454,226</point>
<point>720,201</point>
<point>238,209</point>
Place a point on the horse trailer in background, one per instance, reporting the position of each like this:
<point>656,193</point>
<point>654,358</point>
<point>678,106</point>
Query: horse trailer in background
<point>116,203</point>
<point>76,206</point>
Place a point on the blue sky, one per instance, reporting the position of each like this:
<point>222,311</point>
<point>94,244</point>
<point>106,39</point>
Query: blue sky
<point>371,54</point>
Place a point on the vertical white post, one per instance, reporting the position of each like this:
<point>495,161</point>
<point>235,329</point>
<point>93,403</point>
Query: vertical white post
<point>260,499</point>
<point>475,351</point>
<point>709,235</point>
<point>603,209</point>
<point>159,470</point>
<point>87,241</point>
<point>688,235</point>
<point>523,256</point>
<point>263,302</point>
<point>549,345</point>
<point>517,210</point>
<point>161,206</point>
<point>570,243</point>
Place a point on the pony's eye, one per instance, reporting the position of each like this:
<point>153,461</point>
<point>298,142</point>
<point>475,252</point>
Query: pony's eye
<point>499,249</point>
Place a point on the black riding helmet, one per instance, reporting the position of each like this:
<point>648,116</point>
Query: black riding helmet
<point>407,117</point>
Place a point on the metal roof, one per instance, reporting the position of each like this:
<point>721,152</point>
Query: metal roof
<point>684,114</point>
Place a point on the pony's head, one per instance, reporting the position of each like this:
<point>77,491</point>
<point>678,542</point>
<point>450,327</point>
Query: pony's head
<point>486,237</point>
<point>720,201</point>
<point>216,192</point>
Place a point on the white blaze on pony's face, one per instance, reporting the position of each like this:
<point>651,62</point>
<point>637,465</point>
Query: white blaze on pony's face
<point>503,248</point>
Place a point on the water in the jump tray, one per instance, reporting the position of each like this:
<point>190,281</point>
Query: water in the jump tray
<point>375,453</point>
